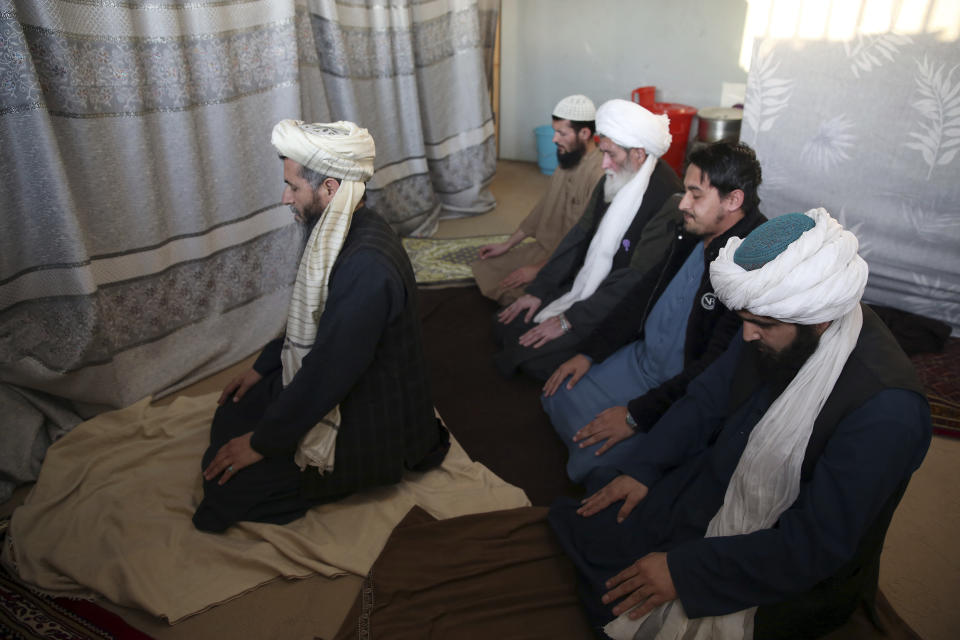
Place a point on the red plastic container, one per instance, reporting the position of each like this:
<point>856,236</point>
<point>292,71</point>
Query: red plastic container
<point>644,96</point>
<point>681,116</point>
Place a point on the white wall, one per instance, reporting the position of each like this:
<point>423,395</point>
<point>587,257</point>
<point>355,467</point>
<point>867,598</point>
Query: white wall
<point>607,48</point>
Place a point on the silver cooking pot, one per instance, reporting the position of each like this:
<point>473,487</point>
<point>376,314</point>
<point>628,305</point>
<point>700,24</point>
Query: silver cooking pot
<point>719,123</point>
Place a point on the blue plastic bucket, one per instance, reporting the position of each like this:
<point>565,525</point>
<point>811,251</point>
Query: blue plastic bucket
<point>546,150</point>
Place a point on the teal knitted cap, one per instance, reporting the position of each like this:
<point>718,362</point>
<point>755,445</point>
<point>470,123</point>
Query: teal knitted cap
<point>770,239</point>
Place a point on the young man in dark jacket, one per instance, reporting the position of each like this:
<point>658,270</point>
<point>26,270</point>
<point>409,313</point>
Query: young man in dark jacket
<point>667,329</point>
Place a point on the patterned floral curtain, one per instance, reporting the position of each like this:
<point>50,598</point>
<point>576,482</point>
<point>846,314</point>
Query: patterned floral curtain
<point>143,245</point>
<point>869,128</point>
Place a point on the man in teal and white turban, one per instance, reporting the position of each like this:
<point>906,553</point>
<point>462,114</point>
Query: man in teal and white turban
<point>341,402</point>
<point>759,503</point>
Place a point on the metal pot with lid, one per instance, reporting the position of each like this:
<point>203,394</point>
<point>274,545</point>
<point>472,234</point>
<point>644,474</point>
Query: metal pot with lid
<point>719,123</point>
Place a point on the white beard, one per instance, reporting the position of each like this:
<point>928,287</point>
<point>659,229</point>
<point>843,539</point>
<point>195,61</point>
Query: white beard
<point>616,181</point>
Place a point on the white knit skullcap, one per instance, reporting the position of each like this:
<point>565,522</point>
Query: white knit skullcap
<point>335,149</point>
<point>818,277</point>
<point>631,126</point>
<point>576,107</point>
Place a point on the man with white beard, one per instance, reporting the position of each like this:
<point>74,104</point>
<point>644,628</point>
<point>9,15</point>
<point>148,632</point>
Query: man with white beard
<point>624,230</point>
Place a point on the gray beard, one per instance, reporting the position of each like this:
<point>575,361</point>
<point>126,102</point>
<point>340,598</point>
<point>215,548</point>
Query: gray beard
<point>615,182</point>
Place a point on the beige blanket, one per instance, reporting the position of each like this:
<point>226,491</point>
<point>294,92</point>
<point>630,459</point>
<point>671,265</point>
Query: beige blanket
<point>111,513</point>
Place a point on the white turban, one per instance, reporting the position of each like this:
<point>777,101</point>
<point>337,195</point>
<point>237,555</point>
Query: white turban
<point>817,278</point>
<point>336,149</point>
<point>631,126</point>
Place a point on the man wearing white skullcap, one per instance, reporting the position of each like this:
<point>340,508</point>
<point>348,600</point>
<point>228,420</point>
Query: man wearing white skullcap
<point>759,503</point>
<point>666,330</point>
<point>504,268</point>
<point>604,254</point>
<point>341,402</point>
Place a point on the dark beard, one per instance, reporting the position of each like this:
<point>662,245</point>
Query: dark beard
<point>780,367</point>
<point>571,158</point>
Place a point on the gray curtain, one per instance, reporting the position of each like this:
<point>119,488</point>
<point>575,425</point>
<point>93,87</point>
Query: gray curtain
<point>868,128</point>
<point>143,246</point>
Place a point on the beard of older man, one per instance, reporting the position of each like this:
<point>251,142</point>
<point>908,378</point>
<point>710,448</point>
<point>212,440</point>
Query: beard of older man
<point>616,180</point>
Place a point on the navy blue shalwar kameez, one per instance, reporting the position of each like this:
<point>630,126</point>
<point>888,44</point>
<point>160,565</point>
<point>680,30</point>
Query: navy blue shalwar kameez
<point>687,462</point>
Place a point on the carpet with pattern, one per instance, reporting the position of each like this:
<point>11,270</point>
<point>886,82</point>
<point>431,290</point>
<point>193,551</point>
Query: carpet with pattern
<point>26,614</point>
<point>940,375</point>
<point>445,261</point>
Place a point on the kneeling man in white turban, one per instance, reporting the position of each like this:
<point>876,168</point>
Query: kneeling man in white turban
<point>759,504</point>
<point>625,229</point>
<point>341,402</point>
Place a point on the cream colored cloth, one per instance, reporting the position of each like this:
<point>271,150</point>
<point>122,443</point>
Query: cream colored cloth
<point>111,514</point>
<point>630,126</point>
<point>338,150</point>
<point>818,277</point>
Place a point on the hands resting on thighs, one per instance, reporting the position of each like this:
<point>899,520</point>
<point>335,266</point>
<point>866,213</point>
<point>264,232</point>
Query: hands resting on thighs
<point>646,582</point>
<point>237,453</point>
<point>549,329</point>
<point>610,424</point>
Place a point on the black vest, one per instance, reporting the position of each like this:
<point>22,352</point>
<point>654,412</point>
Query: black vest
<point>388,423</point>
<point>876,363</point>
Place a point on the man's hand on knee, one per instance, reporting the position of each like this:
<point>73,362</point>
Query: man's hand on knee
<point>574,368</point>
<point>549,329</point>
<point>240,385</point>
<point>520,276</point>
<point>231,458</point>
<point>526,302</point>
<point>610,425</point>
<point>620,488</point>
<point>647,582</point>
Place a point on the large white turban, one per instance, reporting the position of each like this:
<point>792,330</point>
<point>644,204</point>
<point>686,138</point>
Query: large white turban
<point>337,150</point>
<point>795,272</point>
<point>630,126</point>
<point>816,278</point>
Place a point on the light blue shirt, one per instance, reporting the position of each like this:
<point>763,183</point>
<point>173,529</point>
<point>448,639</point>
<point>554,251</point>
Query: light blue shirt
<point>660,354</point>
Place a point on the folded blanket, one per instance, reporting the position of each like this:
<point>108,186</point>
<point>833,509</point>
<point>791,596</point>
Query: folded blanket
<point>110,514</point>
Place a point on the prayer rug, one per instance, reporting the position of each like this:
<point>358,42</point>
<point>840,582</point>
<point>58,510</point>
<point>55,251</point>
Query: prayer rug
<point>28,615</point>
<point>445,261</point>
<point>940,375</point>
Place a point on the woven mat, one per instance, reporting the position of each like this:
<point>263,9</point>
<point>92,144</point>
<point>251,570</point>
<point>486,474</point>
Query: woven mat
<point>28,615</point>
<point>940,375</point>
<point>445,261</point>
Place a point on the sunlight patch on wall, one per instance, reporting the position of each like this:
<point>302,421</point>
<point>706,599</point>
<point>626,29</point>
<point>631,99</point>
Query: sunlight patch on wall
<point>845,20</point>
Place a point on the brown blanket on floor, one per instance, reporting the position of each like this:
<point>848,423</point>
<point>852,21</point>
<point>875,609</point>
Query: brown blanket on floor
<point>498,575</point>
